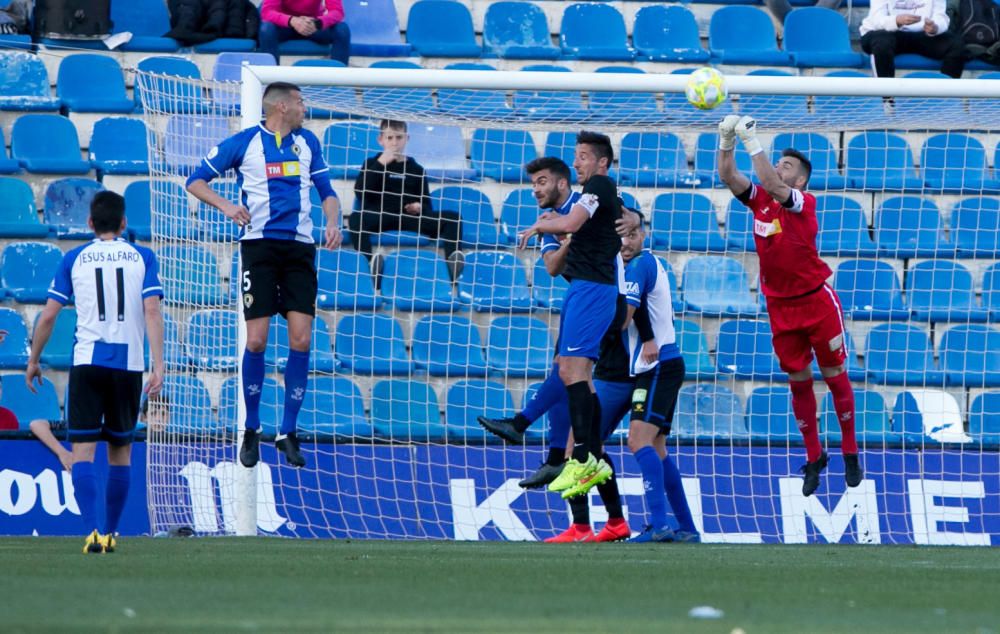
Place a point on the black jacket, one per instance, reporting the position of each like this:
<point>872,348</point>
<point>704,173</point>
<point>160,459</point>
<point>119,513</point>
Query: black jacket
<point>199,21</point>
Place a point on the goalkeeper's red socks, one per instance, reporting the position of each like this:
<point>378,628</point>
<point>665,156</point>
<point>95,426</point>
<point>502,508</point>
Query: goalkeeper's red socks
<point>843,403</point>
<point>804,406</point>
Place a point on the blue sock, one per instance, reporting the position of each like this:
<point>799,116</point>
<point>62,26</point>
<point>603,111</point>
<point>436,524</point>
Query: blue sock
<point>253,387</point>
<point>85,491</point>
<point>652,484</point>
<point>119,478</point>
<point>549,393</point>
<point>296,377</point>
<point>559,424</point>
<point>675,493</point>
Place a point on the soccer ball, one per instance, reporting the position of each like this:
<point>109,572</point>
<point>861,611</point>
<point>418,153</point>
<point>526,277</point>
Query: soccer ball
<point>706,88</point>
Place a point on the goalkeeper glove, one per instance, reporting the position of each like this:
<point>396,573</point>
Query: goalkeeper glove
<point>746,129</point>
<point>727,133</point>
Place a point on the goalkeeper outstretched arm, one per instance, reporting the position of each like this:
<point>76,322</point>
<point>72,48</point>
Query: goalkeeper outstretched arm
<point>737,183</point>
<point>746,130</point>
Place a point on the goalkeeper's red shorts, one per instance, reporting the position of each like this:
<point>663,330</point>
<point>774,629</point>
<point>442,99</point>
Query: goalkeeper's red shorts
<point>801,325</point>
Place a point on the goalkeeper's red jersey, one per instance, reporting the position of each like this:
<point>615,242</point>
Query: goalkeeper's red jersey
<point>786,243</point>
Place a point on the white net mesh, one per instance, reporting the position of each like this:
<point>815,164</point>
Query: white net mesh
<point>404,358</point>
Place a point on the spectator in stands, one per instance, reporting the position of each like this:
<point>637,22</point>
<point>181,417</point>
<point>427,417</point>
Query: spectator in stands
<point>392,195</point>
<point>285,20</point>
<point>42,429</point>
<point>781,8</point>
<point>199,21</point>
<point>14,16</point>
<point>911,26</point>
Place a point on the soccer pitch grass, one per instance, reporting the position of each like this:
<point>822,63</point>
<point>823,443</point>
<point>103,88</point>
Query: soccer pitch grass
<point>283,585</point>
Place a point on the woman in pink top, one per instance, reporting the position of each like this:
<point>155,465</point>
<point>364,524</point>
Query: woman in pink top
<point>321,21</point>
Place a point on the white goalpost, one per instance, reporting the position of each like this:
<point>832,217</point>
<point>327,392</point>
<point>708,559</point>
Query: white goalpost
<point>405,358</point>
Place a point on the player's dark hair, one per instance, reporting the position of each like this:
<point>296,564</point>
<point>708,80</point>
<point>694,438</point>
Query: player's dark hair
<point>554,164</point>
<point>280,89</point>
<point>600,142</point>
<point>392,124</point>
<point>107,210</point>
<point>807,167</point>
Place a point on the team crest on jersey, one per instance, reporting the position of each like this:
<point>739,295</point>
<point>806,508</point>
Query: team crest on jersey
<point>296,150</point>
<point>247,300</point>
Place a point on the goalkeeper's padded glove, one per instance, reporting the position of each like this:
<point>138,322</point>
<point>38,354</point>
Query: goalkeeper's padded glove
<point>746,129</point>
<point>727,133</point>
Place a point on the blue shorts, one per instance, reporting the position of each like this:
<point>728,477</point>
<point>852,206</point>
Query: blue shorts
<point>586,315</point>
<point>616,401</point>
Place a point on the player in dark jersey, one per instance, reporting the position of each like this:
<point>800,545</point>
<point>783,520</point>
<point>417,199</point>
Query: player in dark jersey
<point>805,312</point>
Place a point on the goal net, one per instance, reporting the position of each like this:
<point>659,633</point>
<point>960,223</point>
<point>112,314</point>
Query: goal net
<point>405,358</point>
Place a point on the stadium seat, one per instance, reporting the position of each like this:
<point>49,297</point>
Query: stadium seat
<point>844,112</point>
<point>549,292</point>
<point>446,345</point>
<point>195,416</point>
<point>774,110</point>
<point>881,161</point>
<point>24,85</point>
<point>974,223</point>
<point>652,159</point>
<point>843,229</point>
<point>417,280</point>
<point>821,154</point>
<point>616,106</point>
<point>739,228</point>
<point>502,154</point>
<point>717,285</point>
<point>667,34</point>
<point>479,228</point>
<point>344,96</point>
<point>466,400</point>
<point>404,101</point>
<point>473,104</point>
<point>705,155</point>
<point>970,356</point>
<point>345,281</point>
<point>744,349</point>
<point>406,411</point>
<point>272,405</point>
<point>333,407</point>
<point>744,35</point>
<point>675,293</point>
<point>119,146</point>
<point>147,21</point>
<point>167,94</point>
<point>321,357</point>
<point>16,41</point>
<point>27,405</point>
<point>517,30</point>
<point>209,223</point>
<point>494,281</point>
<point>441,28</point>
<point>817,36</point>
<point>519,211</point>
<point>228,68</point>
<point>92,83</point>
<point>190,275</point>
<point>854,370</point>
<point>686,222</point>
<point>871,420</point>
<point>189,138</point>
<point>374,29</point>
<point>371,344</point>
<point>869,290</point>
<point>7,164</point>
<point>900,354</point>
<point>547,105</point>
<point>15,347</point>
<point>984,418</point>
<point>18,215</point>
<point>171,218</point>
<point>770,417</point>
<point>941,290</point>
<point>519,346</point>
<point>174,354</point>
<point>991,291</point>
<point>709,411</point>
<point>682,113</point>
<point>440,149</point>
<point>27,269</point>
<point>210,340</point>
<point>955,163</point>
<point>562,145</point>
<point>47,144</point>
<point>67,207</point>
<point>908,110</point>
<point>594,31</point>
<point>694,348</point>
<point>910,227</point>
<point>346,146</point>
<point>928,416</point>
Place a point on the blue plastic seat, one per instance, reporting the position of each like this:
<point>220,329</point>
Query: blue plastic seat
<point>14,348</point>
<point>821,153</point>
<point>174,354</point>
<point>744,35</point>
<point>667,34</point>
<point>843,229</point>
<point>928,417</point>
<point>984,418</point>
<point>167,87</point>
<point>67,207</point>
<point>228,68</point>
<point>686,222</point>
<point>744,349</point>
<point>652,159</point>
<point>345,281</point>
<point>210,340</point>
<point>18,215</point>
<point>26,405</point>
<point>16,41</point>
<point>519,346</point>
<point>416,280</point>
<point>770,417</point>
<point>594,31</point>
<point>854,370</point>
<point>549,292</point>
<point>272,405</point>
<point>547,105</point>
<point>441,28</point>
<point>908,110</point>
<point>344,97</point>
<point>705,155</point>
<point>372,344</point>
<point>195,417</point>
<point>956,163</point>
<point>675,293</point>
<point>901,354</point>
<point>190,276</point>
<point>119,146</point>
<point>844,112</point>
<point>92,83</point>
<point>47,144</point>
<point>502,154</point>
<point>881,161</point>
<point>479,228</point>
<point>519,211</point>
<point>7,164</point>
<point>440,149</point>
<point>869,290</point>
<point>209,223</point>
<point>739,227</point>
<point>708,411</point>
<point>910,227</point>
<point>694,348</point>
<point>717,285</point>
<point>474,104</point>
<point>407,412</point>
<point>466,400</point>
<point>446,345</point>
<point>974,223</point>
<point>159,203</point>
<point>27,269</point>
<point>817,36</point>
<point>321,357</point>
<point>374,29</point>
<point>346,146</point>
<point>612,106</point>
<point>774,109</point>
<point>941,290</point>
<point>404,101</point>
<point>517,30</point>
<point>494,281</point>
<point>333,407</point>
<point>24,85</point>
<point>970,356</point>
<point>871,419</point>
<point>189,138</point>
<point>147,21</point>
<point>991,291</point>
<point>58,352</point>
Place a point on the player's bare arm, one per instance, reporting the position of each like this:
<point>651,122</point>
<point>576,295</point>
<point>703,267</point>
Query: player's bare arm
<point>650,351</point>
<point>734,180</point>
<point>154,331</point>
<point>237,213</point>
<point>40,337</point>
<point>331,209</point>
<point>42,430</point>
<point>555,259</point>
<point>556,223</point>
<point>628,222</point>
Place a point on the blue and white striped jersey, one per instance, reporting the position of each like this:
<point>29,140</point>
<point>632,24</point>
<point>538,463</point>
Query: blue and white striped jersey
<point>273,175</point>
<point>549,241</point>
<point>109,280</point>
<point>646,282</point>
